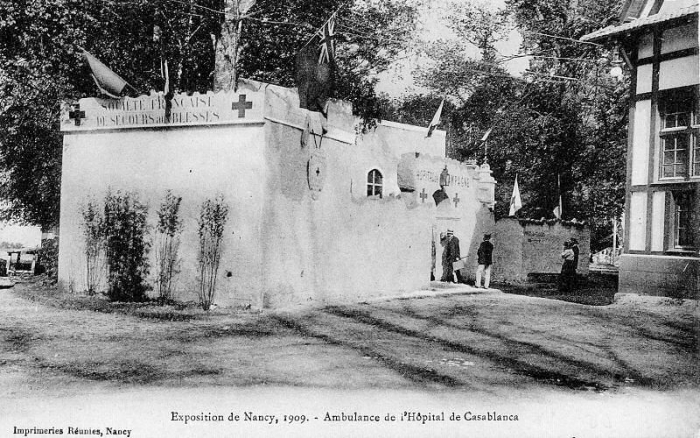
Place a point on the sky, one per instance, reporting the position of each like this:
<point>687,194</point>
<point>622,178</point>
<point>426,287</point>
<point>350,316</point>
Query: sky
<point>398,81</point>
<point>27,236</point>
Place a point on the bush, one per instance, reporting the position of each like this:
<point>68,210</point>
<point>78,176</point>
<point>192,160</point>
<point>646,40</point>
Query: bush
<point>47,258</point>
<point>212,219</point>
<point>167,245</point>
<point>92,226</point>
<point>126,248</point>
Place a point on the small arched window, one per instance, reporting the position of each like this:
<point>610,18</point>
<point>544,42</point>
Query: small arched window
<point>375,180</point>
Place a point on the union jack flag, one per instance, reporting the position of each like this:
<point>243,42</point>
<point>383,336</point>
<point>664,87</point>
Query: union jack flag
<point>327,43</point>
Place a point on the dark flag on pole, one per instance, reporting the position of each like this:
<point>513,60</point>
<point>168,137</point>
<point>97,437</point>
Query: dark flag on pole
<point>106,80</point>
<point>327,42</point>
<point>315,69</point>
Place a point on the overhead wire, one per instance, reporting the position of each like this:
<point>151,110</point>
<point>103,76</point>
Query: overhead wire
<point>350,11</point>
<point>561,58</point>
<point>354,32</point>
<point>538,77</point>
<point>358,21</point>
<point>500,65</point>
<point>561,38</point>
<point>359,33</point>
<point>204,8</point>
<point>505,59</point>
<point>555,78</point>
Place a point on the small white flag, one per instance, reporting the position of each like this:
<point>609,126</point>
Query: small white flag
<point>515,202</point>
<point>486,134</point>
<point>558,210</point>
<point>436,119</point>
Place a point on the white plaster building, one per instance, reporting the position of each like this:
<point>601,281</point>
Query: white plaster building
<point>317,211</point>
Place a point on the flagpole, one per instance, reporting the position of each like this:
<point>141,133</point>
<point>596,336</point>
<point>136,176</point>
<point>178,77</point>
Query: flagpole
<point>485,139</point>
<point>561,210</point>
<point>448,139</point>
<point>614,251</point>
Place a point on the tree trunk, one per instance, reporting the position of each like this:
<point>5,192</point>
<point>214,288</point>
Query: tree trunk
<point>226,55</point>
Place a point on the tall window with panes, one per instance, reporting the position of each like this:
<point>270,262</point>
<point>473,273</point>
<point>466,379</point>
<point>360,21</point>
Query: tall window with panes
<point>680,125</point>
<point>682,205</point>
<point>375,182</point>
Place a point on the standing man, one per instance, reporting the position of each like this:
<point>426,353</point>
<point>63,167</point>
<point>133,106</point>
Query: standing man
<point>445,263</point>
<point>450,254</point>
<point>485,260</point>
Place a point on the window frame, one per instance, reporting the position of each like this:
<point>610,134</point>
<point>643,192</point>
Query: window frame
<point>375,189</point>
<point>689,167</point>
<point>681,237</point>
<point>694,149</point>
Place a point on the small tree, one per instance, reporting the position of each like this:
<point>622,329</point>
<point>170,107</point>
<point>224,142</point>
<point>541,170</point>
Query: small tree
<point>94,245</point>
<point>212,219</point>
<point>126,247</point>
<point>167,245</point>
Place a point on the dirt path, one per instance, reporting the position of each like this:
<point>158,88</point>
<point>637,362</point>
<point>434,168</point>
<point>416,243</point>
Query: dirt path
<point>488,342</point>
<point>628,369</point>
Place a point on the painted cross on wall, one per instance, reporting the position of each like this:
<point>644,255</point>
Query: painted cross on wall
<point>423,195</point>
<point>241,106</point>
<point>76,115</point>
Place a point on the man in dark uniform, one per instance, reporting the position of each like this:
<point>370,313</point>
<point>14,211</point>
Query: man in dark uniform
<point>485,260</point>
<point>449,256</point>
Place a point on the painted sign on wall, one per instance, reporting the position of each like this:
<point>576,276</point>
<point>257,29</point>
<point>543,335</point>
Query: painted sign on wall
<point>434,177</point>
<point>155,110</point>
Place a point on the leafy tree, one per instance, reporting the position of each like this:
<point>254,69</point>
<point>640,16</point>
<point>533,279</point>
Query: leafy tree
<point>37,54</point>
<point>480,25</point>
<point>416,109</point>
<point>370,34</point>
<point>11,245</point>
<point>41,65</point>
<point>594,104</point>
<point>485,97</point>
<point>565,119</point>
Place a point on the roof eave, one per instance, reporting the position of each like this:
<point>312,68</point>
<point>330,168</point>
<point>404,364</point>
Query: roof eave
<point>602,37</point>
<point>636,26</point>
